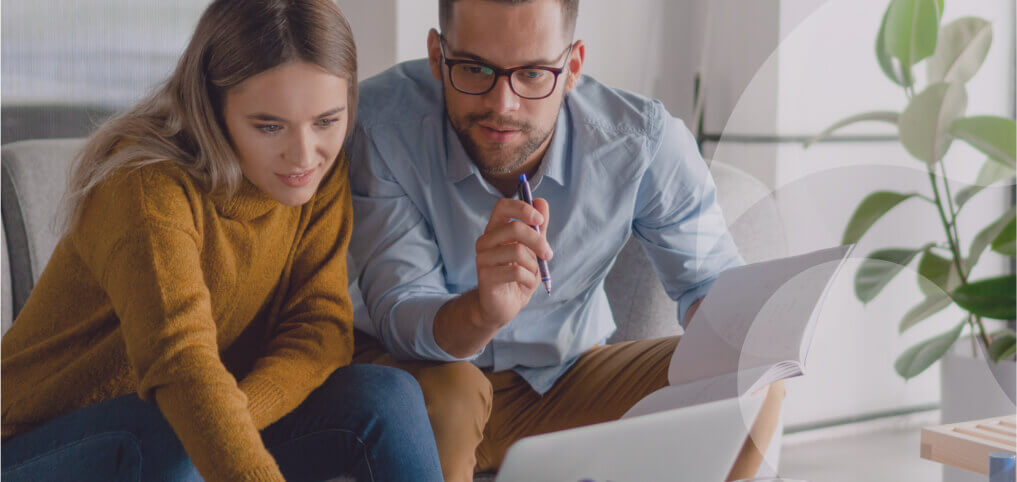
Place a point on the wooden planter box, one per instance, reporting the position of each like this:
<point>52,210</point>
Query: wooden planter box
<point>968,444</point>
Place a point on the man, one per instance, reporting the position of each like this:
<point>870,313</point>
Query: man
<point>449,258</point>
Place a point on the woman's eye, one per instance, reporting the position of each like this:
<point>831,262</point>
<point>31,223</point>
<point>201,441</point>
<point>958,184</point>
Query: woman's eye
<point>327,122</point>
<point>270,128</point>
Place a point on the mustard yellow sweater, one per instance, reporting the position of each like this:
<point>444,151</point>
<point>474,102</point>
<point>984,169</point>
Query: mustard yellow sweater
<point>226,312</point>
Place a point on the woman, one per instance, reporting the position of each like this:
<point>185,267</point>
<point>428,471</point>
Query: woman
<point>203,269</point>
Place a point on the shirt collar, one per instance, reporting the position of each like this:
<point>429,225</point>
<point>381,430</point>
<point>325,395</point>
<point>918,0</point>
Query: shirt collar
<point>459,166</point>
<point>557,158</point>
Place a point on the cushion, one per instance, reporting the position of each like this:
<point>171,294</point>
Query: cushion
<point>34,180</point>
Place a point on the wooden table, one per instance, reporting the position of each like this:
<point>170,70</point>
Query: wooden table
<point>968,444</point>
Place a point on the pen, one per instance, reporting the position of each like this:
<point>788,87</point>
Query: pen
<point>527,196</point>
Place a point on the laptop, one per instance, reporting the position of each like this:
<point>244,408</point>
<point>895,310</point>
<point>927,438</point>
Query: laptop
<point>697,443</point>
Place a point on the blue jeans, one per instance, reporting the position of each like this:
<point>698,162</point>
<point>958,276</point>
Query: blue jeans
<point>365,422</point>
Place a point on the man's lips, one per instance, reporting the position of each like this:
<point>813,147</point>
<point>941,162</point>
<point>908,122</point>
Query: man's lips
<point>496,133</point>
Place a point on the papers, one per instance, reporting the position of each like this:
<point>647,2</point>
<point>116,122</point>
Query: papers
<point>753,328</point>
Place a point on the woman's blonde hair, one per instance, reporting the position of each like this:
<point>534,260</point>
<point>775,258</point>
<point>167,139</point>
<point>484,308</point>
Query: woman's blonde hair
<point>182,121</point>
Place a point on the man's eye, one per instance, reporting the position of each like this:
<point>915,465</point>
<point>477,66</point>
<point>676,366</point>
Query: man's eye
<point>479,70</point>
<point>533,74</point>
<point>270,128</point>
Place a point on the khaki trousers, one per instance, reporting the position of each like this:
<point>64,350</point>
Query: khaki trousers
<point>476,414</point>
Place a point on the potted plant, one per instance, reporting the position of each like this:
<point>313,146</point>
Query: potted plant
<point>932,120</point>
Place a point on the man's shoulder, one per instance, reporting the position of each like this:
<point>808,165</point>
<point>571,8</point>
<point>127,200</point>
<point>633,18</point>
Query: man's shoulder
<point>404,92</point>
<point>613,110</point>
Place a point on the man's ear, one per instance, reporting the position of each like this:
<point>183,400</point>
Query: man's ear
<point>574,66</point>
<point>434,53</point>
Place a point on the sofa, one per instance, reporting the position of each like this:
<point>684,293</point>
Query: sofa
<point>34,175</point>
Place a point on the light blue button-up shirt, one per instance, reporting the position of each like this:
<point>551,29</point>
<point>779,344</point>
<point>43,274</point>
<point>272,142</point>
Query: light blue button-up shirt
<point>617,165</point>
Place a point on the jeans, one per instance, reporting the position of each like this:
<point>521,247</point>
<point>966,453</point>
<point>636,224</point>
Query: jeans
<point>364,423</point>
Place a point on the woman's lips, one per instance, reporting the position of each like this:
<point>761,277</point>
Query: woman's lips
<point>300,179</point>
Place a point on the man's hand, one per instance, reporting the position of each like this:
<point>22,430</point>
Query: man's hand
<point>507,252</point>
<point>507,276</point>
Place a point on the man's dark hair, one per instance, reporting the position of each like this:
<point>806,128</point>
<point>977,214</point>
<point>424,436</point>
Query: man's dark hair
<point>569,10</point>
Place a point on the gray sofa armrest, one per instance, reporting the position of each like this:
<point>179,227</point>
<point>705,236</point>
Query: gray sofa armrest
<point>34,180</point>
<point>8,296</point>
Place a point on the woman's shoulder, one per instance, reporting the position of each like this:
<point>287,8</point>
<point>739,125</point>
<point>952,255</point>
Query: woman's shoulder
<point>167,178</point>
<point>152,191</point>
<point>135,201</point>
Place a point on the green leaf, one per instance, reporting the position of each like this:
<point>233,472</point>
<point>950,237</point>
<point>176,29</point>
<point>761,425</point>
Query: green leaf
<point>881,116</point>
<point>1002,346</point>
<point>1000,332</point>
<point>924,124</point>
<point>883,56</point>
<point>994,298</point>
<point>931,305</point>
<point>937,274</point>
<point>964,195</point>
<point>995,136</point>
<point>987,234</point>
<point>916,359</point>
<point>1004,243</point>
<point>873,207</point>
<point>911,30</point>
<point>962,47</point>
<point>879,268</point>
<point>990,173</point>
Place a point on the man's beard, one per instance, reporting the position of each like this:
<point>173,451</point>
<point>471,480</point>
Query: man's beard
<point>501,160</point>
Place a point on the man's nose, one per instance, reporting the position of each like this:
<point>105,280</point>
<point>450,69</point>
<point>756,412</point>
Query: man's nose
<point>501,98</point>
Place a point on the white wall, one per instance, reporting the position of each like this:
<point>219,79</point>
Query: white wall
<point>70,51</point>
<point>374,32</point>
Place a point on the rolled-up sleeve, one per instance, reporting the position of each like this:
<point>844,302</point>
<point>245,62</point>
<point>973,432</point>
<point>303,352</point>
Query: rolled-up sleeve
<point>401,273</point>
<point>678,221</point>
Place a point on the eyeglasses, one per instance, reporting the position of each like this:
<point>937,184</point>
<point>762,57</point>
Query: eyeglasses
<point>477,78</point>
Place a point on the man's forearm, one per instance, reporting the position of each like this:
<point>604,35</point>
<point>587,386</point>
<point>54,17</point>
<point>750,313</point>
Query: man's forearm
<point>458,328</point>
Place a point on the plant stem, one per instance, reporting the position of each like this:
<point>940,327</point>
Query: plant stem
<point>953,246</point>
<point>974,349</point>
<point>949,202</point>
<point>981,330</point>
<point>956,237</point>
<point>946,224</point>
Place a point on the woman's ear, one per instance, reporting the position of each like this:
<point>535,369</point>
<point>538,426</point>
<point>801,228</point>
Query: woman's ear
<point>574,66</point>
<point>434,53</point>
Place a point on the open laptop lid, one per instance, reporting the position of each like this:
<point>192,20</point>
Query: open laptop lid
<point>697,443</point>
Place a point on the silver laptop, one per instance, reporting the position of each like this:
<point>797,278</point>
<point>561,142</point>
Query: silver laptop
<point>696,444</point>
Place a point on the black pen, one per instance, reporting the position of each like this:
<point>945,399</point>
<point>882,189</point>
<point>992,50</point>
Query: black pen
<point>527,196</point>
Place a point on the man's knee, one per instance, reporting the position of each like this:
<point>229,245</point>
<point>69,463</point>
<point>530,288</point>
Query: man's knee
<point>455,390</point>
